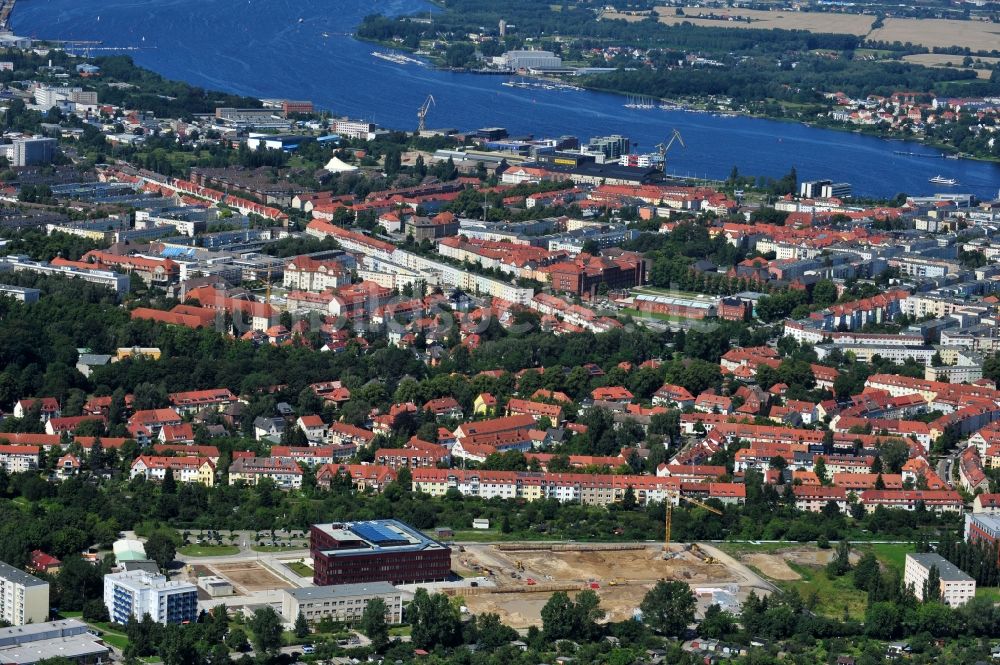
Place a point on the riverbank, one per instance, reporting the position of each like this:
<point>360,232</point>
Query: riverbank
<point>696,105</point>
<point>281,58</point>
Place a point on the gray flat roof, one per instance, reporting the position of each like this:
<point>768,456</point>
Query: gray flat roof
<point>948,571</point>
<point>73,648</point>
<point>18,576</point>
<point>30,632</point>
<point>342,591</point>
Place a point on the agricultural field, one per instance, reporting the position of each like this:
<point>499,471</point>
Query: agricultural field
<point>850,24</point>
<point>944,60</point>
<point>977,35</point>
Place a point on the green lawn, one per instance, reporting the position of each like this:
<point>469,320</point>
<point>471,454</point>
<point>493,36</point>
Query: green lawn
<point>110,635</point>
<point>832,595</point>
<point>300,569</point>
<point>208,550</point>
<point>989,592</point>
<point>274,548</point>
<point>893,556</point>
<point>399,631</point>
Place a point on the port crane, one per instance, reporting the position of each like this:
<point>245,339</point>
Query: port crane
<point>663,148</point>
<point>422,113</point>
<point>670,509</point>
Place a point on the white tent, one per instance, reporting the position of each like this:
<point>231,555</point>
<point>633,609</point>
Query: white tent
<point>335,165</point>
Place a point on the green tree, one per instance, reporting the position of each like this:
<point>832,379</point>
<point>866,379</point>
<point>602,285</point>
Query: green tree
<point>373,624</point>
<point>559,617</point>
<point>265,625</point>
<point>669,607</point>
<point>160,548</point>
<point>841,562</point>
<point>492,633</point>
<point>236,639</point>
<point>932,586</point>
<point>882,620</point>
<point>434,621</point>
<point>301,627</point>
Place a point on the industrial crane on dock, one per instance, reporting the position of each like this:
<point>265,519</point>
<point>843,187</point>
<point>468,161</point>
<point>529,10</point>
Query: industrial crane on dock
<point>422,113</point>
<point>670,509</point>
<point>663,148</point>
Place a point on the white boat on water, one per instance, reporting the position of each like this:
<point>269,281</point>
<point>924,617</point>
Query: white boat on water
<point>941,180</point>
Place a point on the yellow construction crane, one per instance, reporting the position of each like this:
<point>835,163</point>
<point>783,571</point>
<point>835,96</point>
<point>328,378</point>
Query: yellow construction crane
<point>670,510</point>
<point>663,148</point>
<point>422,112</point>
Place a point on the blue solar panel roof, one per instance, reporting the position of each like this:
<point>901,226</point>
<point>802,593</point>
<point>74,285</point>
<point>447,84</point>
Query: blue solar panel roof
<point>375,533</point>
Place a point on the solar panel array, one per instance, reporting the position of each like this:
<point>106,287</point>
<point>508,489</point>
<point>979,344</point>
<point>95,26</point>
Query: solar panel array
<point>376,533</point>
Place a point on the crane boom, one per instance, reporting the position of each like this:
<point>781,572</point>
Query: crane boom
<point>668,518</point>
<point>664,148</point>
<point>422,112</point>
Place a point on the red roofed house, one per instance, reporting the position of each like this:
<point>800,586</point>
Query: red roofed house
<point>68,424</point>
<point>196,400</point>
<point>67,466</point>
<point>615,394</point>
<point>48,406</point>
<point>671,395</point>
<point>537,410</point>
<point>40,562</point>
<point>313,427</point>
<point>183,433</point>
<point>444,407</point>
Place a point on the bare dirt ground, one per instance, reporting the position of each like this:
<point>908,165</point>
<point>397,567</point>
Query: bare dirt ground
<point>977,35</point>
<point>521,610</point>
<point>622,576</point>
<point>772,566</point>
<point>249,576</point>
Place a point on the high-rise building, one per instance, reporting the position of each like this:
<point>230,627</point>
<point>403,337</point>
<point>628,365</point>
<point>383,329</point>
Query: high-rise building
<point>28,152</point>
<point>612,147</point>
<point>23,598</point>
<point>138,592</point>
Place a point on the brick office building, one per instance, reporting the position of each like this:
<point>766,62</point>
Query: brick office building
<point>376,551</point>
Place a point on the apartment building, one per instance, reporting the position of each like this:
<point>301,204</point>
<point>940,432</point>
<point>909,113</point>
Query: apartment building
<point>285,473</point>
<point>956,589</point>
<point>138,592</point>
<point>189,469</point>
<point>24,598</point>
<point>18,459</point>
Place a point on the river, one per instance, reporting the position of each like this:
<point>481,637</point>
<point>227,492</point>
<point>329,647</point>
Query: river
<point>277,48</point>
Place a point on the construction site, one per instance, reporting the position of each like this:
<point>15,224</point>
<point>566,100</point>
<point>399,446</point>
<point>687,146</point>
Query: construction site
<point>520,577</point>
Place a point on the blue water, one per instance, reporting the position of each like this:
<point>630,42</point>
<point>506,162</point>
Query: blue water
<point>260,48</point>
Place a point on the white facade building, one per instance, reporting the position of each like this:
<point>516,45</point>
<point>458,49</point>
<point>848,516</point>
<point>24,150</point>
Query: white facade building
<point>957,588</point>
<point>23,598</point>
<point>138,592</point>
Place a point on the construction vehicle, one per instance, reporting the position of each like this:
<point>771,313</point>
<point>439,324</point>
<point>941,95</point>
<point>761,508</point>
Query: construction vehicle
<point>663,148</point>
<point>669,513</point>
<point>519,565</point>
<point>422,113</point>
<point>701,554</point>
